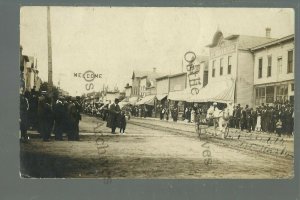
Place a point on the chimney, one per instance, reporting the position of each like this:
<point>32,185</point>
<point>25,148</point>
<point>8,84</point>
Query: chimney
<point>268,32</point>
<point>154,69</point>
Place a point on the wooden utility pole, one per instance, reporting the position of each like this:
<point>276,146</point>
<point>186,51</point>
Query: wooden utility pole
<point>50,81</point>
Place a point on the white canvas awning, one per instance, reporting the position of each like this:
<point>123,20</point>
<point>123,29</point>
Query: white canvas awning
<point>132,100</point>
<point>148,100</point>
<point>221,91</point>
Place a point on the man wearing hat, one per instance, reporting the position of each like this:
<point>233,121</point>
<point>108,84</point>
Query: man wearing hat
<point>238,114</point>
<point>73,118</point>
<point>114,111</point>
<point>59,115</point>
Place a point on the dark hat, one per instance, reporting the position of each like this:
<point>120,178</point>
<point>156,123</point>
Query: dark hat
<point>116,99</point>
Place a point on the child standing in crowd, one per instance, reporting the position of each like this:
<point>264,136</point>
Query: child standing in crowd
<point>122,122</point>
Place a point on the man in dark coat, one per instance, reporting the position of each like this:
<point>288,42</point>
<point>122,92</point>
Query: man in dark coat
<point>114,112</point>
<point>24,107</point>
<point>73,118</point>
<point>47,119</point>
<point>59,115</point>
<point>272,120</point>
<point>238,115</point>
<point>263,119</point>
<point>249,118</point>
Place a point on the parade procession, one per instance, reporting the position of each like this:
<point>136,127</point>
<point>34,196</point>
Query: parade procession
<point>218,108</point>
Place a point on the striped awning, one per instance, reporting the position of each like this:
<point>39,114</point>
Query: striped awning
<point>221,91</point>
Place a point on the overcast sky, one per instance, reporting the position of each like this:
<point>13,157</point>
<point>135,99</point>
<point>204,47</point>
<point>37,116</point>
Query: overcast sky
<point>114,41</point>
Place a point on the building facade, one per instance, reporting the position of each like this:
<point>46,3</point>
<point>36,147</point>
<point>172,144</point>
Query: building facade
<point>231,68</point>
<point>177,82</point>
<point>128,90</point>
<point>274,71</point>
<point>141,80</point>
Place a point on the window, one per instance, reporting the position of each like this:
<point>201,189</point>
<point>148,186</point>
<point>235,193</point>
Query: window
<point>260,63</point>
<point>279,65</point>
<point>229,65</point>
<point>290,62</point>
<point>213,69</point>
<point>270,92</point>
<point>269,66</point>
<point>260,96</point>
<point>281,93</point>
<point>292,87</point>
<point>221,66</point>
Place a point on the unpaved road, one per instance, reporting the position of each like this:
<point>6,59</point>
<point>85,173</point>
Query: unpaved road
<point>148,151</point>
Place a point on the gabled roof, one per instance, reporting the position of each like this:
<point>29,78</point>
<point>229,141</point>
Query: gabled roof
<point>274,42</point>
<point>245,42</point>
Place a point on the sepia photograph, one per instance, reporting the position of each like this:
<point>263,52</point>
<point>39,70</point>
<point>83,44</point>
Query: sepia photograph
<point>156,92</point>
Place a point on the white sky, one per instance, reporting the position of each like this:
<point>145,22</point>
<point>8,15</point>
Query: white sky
<point>114,41</point>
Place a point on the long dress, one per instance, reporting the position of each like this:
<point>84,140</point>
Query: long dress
<point>258,122</point>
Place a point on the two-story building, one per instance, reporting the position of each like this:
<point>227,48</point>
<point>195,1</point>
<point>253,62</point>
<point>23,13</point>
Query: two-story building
<point>274,71</point>
<point>141,80</point>
<point>29,78</point>
<point>230,69</point>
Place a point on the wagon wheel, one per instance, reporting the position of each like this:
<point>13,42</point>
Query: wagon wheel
<point>216,125</point>
<point>226,132</point>
<point>198,129</point>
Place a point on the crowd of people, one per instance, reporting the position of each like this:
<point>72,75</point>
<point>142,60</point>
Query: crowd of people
<point>277,117</point>
<point>39,112</point>
<point>272,118</point>
<point>109,112</point>
<point>47,115</point>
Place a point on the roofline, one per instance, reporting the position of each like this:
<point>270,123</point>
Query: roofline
<point>179,74</point>
<point>274,42</point>
<point>162,77</point>
<point>171,76</point>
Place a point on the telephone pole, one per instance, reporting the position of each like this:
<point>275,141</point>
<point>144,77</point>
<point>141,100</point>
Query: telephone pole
<point>50,81</point>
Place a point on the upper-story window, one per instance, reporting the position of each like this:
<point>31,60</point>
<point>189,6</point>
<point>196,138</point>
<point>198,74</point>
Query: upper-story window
<point>229,65</point>
<point>269,66</point>
<point>213,68</point>
<point>290,62</point>
<point>260,66</point>
<point>279,65</point>
<point>221,66</point>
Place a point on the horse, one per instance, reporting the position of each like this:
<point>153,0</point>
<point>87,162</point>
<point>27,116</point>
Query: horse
<point>220,121</point>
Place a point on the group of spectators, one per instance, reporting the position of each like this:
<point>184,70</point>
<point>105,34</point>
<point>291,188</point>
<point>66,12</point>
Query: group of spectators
<point>109,112</point>
<point>46,115</point>
<point>271,118</point>
<point>141,110</point>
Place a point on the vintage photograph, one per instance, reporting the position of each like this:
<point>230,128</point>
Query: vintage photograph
<point>156,92</point>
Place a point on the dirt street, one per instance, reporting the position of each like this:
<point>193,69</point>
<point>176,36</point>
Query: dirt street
<point>153,151</point>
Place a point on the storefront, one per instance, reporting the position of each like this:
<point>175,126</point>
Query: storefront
<point>274,92</point>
